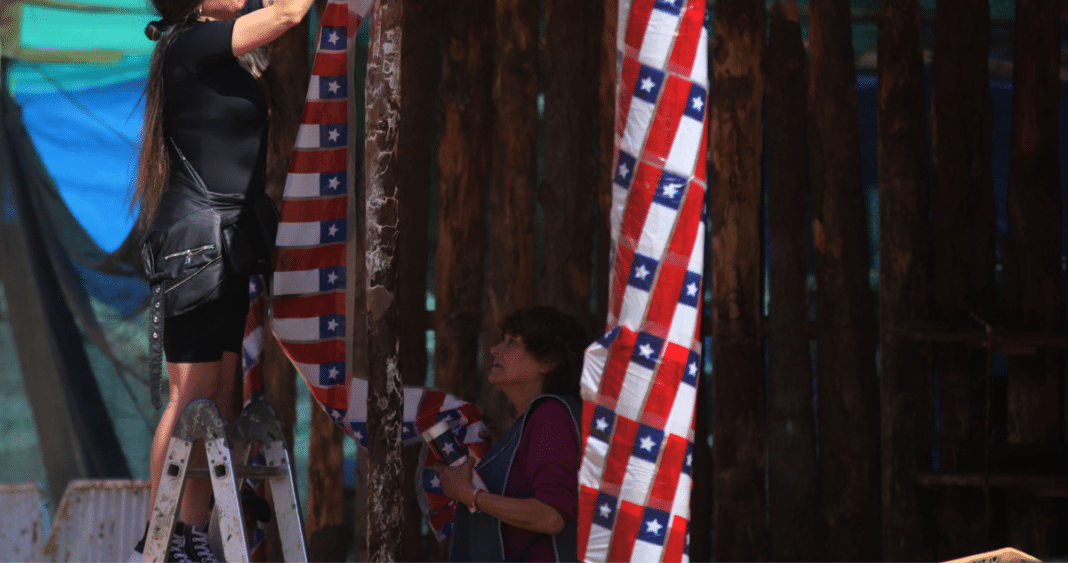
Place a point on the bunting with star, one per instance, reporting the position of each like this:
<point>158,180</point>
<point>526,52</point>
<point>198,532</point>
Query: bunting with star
<point>639,381</point>
<point>308,291</point>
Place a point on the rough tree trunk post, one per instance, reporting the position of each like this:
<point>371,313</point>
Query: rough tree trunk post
<point>1034,283</point>
<point>419,59</point>
<point>288,72</point>
<point>385,389</point>
<point>463,165</point>
<point>907,387</point>
<point>963,225</point>
<point>734,184</point>
<point>792,474</point>
<point>511,247</point>
<point>569,193</point>
<point>848,397</point>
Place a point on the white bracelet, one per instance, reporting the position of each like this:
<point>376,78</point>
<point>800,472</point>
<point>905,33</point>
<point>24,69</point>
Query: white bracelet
<point>474,499</point>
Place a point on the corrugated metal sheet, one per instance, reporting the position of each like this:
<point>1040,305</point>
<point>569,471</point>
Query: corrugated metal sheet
<point>21,532</point>
<point>98,521</point>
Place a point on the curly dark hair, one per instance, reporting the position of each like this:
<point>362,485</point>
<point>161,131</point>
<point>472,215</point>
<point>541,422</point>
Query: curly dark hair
<point>553,336</point>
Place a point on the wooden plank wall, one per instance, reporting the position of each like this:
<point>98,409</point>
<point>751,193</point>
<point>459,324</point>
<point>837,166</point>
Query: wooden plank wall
<point>471,79</point>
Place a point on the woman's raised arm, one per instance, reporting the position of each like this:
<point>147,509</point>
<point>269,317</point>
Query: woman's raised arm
<point>259,27</point>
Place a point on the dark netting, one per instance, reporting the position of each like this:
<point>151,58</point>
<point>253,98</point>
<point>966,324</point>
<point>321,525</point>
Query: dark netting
<point>72,328</point>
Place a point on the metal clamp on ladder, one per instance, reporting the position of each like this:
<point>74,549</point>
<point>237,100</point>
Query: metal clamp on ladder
<point>257,423</point>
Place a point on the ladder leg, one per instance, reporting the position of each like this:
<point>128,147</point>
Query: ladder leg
<point>286,507</point>
<point>231,528</point>
<point>168,497</point>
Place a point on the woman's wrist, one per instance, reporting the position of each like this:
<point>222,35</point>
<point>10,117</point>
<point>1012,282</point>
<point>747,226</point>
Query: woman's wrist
<point>474,499</point>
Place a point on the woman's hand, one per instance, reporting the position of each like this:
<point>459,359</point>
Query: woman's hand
<point>259,27</point>
<point>456,482</point>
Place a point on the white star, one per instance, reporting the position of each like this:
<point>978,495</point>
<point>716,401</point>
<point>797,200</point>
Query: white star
<point>698,103</point>
<point>641,272</point>
<point>331,325</point>
<point>331,278</point>
<point>333,183</point>
<point>653,527</point>
<point>334,87</point>
<point>332,230</point>
<point>447,448</point>
<point>691,289</point>
<point>605,510</point>
<point>693,368</point>
<point>333,135</point>
<point>689,460</point>
<point>601,423</point>
<point>671,189</point>
<point>435,482</point>
<point>332,374</point>
<point>647,84</point>
<point>358,435</point>
<point>623,170</point>
<point>645,351</point>
<point>647,444</point>
<point>333,37</point>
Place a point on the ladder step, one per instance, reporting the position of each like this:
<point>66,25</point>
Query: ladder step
<point>242,472</point>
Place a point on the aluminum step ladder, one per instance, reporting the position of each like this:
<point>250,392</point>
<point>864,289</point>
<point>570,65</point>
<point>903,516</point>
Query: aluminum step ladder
<point>257,423</point>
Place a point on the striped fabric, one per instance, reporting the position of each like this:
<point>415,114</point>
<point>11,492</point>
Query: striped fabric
<point>639,381</point>
<point>310,273</point>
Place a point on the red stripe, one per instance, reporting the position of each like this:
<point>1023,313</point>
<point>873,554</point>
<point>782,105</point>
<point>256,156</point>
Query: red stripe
<point>688,35</point>
<point>620,275</point>
<point>323,112</point>
<point>253,381</point>
<point>335,15</point>
<point>640,11</point>
<point>627,80</point>
<point>675,545</point>
<point>587,506</point>
<point>701,174</point>
<point>641,195</point>
<point>616,369</point>
<point>674,95</point>
<point>316,352</point>
<point>335,397</point>
<point>288,259</point>
<point>668,470</point>
<point>662,393</point>
<point>628,524</point>
<point>308,306</point>
<point>428,411</point>
<point>316,161</point>
<point>624,433</point>
<point>316,209</point>
<point>664,298</point>
<point>254,319</point>
<point>330,64</point>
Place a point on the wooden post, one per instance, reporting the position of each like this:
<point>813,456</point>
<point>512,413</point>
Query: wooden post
<point>1034,282</point>
<point>569,192</point>
<point>326,531</point>
<point>385,392</point>
<point>848,399</point>
<point>419,59</point>
<point>463,164</point>
<point>907,386</point>
<point>734,184</point>
<point>513,196</point>
<point>792,478</point>
<point>963,229</point>
<point>606,133</point>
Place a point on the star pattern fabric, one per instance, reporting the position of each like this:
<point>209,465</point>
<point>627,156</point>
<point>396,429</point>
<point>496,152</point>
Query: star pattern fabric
<point>639,381</point>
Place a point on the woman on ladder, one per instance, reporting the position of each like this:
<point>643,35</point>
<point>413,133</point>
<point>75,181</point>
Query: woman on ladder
<point>209,225</point>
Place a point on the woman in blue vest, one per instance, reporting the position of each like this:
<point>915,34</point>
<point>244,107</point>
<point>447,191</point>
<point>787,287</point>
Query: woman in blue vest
<point>528,510</point>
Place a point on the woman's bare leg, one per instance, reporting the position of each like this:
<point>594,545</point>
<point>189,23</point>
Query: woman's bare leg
<point>189,381</point>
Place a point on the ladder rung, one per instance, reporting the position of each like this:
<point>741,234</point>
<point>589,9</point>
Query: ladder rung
<point>242,472</point>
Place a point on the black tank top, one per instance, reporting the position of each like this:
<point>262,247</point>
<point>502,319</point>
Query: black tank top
<point>214,109</point>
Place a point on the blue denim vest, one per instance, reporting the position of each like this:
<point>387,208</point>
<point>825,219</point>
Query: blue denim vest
<point>477,537</point>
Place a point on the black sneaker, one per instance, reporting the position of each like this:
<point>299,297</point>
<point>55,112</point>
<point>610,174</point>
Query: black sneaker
<point>139,549</point>
<point>197,547</point>
<point>177,551</point>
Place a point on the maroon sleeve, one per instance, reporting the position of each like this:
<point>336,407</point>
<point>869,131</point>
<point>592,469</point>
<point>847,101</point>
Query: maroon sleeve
<point>553,456</point>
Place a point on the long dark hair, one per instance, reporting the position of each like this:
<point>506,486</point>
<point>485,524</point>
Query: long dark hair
<point>153,166</point>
